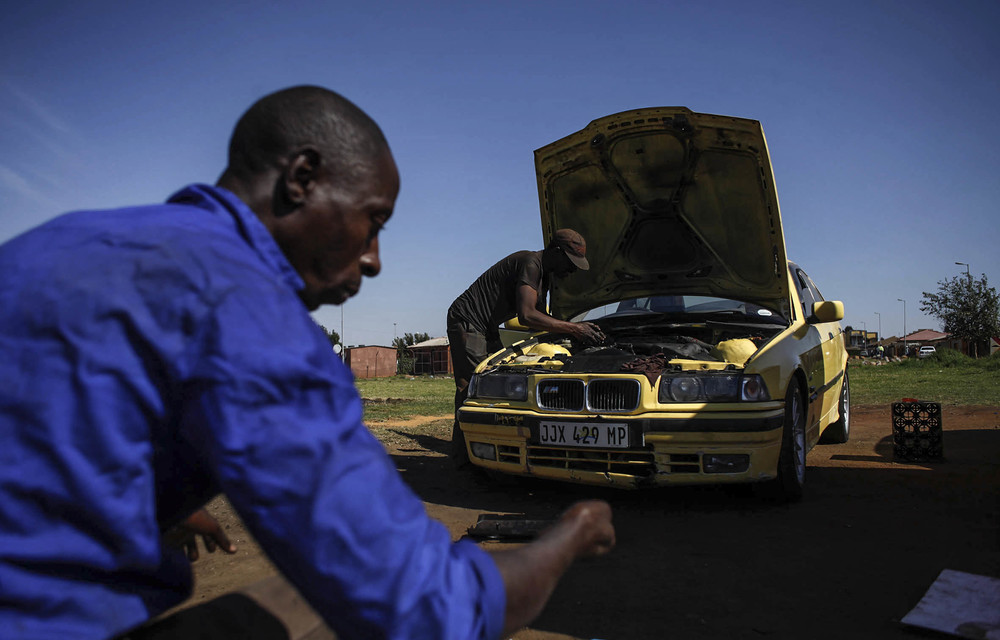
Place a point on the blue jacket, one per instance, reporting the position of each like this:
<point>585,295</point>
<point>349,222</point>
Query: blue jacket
<point>151,357</point>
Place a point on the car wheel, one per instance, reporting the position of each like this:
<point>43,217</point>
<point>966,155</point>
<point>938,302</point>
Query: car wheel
<point>840,431</point>
<point>791,478</point>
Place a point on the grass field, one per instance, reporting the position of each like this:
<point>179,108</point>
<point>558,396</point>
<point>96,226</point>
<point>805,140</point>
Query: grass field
<point>947,377</point>
<point>402,397</point>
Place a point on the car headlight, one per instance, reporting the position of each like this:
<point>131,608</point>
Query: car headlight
<point>712,387</point>
<point>499,386</point>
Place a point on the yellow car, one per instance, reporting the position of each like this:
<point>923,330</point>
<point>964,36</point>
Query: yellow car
<point>722,361</point>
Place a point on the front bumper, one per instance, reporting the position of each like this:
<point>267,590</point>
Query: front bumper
<point>675,449</point>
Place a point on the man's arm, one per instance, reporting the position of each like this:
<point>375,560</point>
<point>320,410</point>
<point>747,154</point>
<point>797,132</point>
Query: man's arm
<point>531,572</point>
<point>532,317</point>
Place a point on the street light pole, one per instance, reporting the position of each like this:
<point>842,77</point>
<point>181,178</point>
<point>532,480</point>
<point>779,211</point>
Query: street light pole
<point>968,275</point>
<point>904,325</point>
<point>879,324</point>
<point>866,334</point>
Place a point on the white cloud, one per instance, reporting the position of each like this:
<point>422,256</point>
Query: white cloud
<point>41,112</point>
<point>27,118</point>
<point>13,181</point>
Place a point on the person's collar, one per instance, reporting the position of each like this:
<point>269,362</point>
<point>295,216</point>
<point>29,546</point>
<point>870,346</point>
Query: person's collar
<point>251,229</point>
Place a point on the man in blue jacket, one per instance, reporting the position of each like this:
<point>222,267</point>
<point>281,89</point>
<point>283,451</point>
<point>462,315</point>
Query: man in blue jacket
<point>155,356</point>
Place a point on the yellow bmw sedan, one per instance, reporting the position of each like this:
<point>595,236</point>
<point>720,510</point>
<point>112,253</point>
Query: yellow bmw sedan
<point>722,361</point>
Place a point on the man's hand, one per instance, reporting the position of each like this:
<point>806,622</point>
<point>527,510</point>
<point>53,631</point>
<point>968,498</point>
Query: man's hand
<point>587,333</point>
<point>530,572</point>
<point>185,535</point>
<point>533,318</point>
<point>590,524</point>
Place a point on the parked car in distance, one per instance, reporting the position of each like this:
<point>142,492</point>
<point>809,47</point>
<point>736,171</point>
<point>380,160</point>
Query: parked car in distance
<point>926,351</point>
<point>722,362</point>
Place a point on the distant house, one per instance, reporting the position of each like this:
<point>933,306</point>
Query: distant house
<point>861,339</point>
<point>371,361</point>
<point>432,357</point>
<point>940,340</point>
<point>929,337</point>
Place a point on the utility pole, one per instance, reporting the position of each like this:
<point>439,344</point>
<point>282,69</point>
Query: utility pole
<point>968,278</point>
<point>904,325</point>
<point>879,325</point>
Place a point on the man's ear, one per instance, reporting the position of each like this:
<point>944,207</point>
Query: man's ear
<point>300,175</point>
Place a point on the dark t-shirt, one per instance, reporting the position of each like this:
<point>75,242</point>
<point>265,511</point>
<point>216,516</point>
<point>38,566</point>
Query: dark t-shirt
<point>492,298</point>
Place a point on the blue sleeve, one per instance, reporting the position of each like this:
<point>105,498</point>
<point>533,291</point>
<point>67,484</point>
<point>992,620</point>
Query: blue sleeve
<point>280,420</point>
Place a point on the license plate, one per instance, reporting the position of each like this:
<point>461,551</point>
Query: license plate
<point>583,434</point>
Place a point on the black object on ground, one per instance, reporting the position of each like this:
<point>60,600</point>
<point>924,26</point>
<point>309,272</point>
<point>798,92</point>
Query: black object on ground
<point>497,526</point>
<point>916,431</point>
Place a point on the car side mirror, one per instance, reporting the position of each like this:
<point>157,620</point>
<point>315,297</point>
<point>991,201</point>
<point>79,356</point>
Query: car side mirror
<point>826,311</point>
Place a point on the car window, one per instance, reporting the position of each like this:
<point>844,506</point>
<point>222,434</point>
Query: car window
<point>808,291</point>
<point>817,296</point>
<point>808,298</point>
<point>683,307</point>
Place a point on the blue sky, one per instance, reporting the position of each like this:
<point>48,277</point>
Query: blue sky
<point>880,118</point>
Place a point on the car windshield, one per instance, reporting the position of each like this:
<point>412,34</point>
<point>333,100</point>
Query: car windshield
<point>687,308</point>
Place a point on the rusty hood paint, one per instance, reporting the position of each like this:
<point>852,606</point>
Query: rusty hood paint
<point>670,202</point>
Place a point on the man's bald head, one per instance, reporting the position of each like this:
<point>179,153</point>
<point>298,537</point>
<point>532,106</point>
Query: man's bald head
<point>318,173</point>
<point>283,123</point>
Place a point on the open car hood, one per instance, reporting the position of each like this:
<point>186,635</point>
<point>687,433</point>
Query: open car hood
<point>670,202</point>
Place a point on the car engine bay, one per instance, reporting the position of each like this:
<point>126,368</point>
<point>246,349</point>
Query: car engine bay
<point>646,350</point>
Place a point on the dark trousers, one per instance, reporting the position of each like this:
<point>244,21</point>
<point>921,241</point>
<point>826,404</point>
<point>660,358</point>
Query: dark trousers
<point>270,609</point>
<point>232,615</point>
<point>468,347</point>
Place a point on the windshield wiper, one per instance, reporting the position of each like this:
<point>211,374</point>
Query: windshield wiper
<point>721,312</point>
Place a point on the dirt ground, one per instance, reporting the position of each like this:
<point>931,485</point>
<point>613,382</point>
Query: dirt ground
<point>848,561</point>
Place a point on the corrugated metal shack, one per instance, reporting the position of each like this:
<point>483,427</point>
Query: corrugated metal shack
<point>432,357</point>
<point>371,361</point>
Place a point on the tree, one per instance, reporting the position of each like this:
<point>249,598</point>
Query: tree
<point>332,336</point>
<point>404,359</point>
<point>410,339</point>
<point>968,308</point>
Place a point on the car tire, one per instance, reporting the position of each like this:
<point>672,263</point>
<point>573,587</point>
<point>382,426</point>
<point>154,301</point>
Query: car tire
<point>840,431</point>
<point>787,487</point>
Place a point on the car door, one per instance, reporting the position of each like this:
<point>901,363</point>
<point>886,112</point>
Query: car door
<point>831,338</point>
<point>810,353</point>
